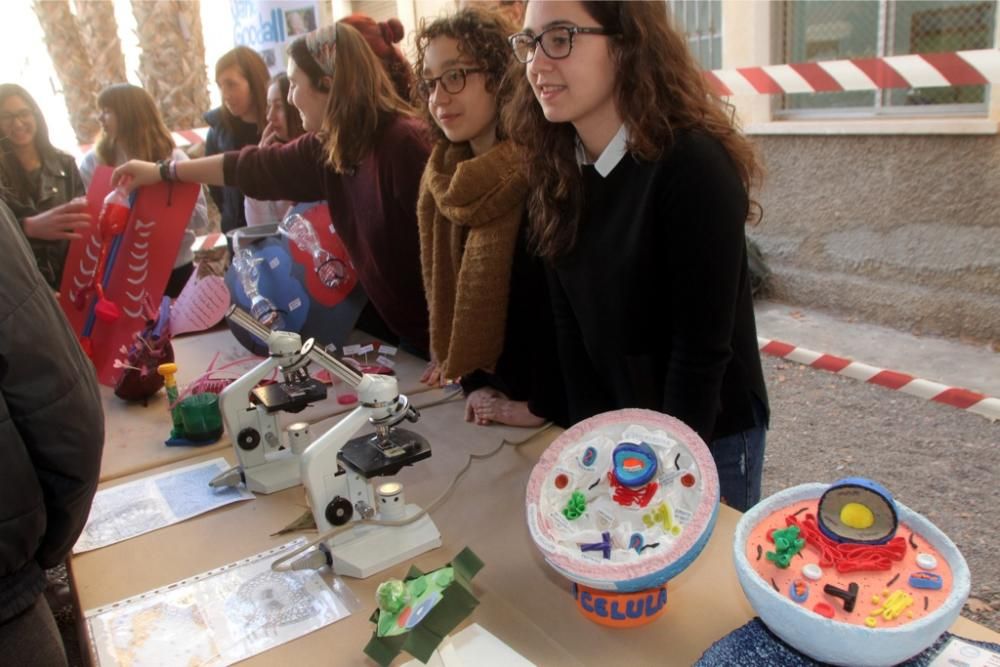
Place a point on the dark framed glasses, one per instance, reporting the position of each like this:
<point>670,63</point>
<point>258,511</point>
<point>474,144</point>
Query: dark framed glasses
<point>453,81</point>
<point>556,42</point>
<point>23,115</point>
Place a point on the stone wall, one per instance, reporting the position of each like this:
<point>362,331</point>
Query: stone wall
<point>898,230</point>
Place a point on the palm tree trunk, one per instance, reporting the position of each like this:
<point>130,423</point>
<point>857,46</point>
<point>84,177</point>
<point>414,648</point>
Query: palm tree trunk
<point>99,30</point>
<point>72,65</point>
<point>172,64</point>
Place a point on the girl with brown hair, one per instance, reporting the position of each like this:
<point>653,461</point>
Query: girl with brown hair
<point>363,152</point>
<point>40,183</point>
<point>242,77</point>
<point>132,128</point>
<point>638,203</point>
<point>284,123</point>
<point>487,314</point>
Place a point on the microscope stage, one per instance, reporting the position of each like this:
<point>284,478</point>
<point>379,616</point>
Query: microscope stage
<point>288,397</point>
<point>372,457</point>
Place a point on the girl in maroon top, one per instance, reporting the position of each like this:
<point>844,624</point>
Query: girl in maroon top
<point>363,152</point>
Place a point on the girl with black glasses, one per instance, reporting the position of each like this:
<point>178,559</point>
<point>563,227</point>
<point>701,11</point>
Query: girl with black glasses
<point>638,203</point>
<point>489,319</point>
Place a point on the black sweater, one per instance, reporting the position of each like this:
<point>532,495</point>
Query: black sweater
<point>652,304</point>
<point>528,367</point>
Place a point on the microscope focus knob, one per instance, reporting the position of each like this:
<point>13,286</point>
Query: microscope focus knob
<point>248,439</point>
<point>339,511</point>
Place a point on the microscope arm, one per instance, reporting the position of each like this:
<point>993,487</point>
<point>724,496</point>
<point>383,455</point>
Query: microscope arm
<point>320,468</point>
<point>235,398</point>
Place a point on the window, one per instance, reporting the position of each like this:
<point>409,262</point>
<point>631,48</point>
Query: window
<point>818,30</point>
<point>701,22</point>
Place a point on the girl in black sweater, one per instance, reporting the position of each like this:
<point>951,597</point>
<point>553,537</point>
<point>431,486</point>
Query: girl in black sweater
<point>638,204</point>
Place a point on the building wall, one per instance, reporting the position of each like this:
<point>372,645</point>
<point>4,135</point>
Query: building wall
<point>902,230</point>
<point>892,221</point>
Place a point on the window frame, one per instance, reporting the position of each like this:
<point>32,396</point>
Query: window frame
<point>880,109</point>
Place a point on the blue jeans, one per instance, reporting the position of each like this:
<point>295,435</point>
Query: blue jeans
<point>740,460</point>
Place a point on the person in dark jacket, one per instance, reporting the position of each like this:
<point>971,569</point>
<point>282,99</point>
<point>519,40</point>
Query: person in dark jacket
<point>363,152</point>
<point>639,202</point>
<point>242,77</point>
<point>51,438</point>
<point>43,185</point>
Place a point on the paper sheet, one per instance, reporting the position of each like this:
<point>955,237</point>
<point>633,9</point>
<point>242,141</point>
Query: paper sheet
<point>964,654</point>
<point>219,617</point>
<point>201,305</point>
<point>125,511</point>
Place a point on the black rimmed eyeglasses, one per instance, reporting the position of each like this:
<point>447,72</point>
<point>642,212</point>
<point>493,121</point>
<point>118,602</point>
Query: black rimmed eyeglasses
<point>453,81</point>
<point>556,42</point>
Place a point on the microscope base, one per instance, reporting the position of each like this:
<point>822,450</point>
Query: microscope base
<point>367,550</point>
<point>274,476</point>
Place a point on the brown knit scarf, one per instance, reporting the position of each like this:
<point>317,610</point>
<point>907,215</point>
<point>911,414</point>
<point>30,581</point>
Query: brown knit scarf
<point>469,212</point>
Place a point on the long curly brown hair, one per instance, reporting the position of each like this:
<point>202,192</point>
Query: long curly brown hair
<point>481,35</point>
<point>659,89</point>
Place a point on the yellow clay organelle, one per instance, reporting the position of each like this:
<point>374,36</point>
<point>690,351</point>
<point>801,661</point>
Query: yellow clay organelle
<point>856,515</point>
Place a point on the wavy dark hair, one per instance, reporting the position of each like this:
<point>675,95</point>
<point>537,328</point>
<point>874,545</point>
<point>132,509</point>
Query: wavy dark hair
<point>659,89</point>
<point>254,70</point>
<point>360,102</point>
<point>481,35</point>
<point>15,180</point>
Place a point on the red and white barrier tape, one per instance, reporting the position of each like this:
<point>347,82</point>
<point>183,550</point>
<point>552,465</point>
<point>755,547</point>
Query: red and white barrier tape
<point>917,70</point>
<point>963,399</point>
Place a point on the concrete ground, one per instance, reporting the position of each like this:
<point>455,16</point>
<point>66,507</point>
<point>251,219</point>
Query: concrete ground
<point>947,361</point>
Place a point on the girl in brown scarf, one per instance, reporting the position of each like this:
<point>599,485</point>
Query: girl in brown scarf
<point>482,286</point>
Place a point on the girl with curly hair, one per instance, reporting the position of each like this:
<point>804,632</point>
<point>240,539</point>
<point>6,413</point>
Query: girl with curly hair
<point>639,196</point>
<point>487,316</point>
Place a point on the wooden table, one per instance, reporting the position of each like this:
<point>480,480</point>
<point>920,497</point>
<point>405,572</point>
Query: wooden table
<point>135,433</point>
<point>523,601</point>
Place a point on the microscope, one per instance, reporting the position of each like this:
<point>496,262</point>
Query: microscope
<point>268,457</point>
<point>339,471</point>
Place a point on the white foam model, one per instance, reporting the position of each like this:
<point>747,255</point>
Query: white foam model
<point>835,642</point>
<point>683,499</point>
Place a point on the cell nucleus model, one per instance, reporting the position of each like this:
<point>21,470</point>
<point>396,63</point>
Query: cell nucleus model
<point>620,504</point>
<point>847,575</point>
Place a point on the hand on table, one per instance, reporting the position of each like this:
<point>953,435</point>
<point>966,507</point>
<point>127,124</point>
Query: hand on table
<point>66,221</point>
<point>432,375</point>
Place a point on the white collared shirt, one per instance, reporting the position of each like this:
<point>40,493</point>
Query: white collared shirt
<point>610,157</point>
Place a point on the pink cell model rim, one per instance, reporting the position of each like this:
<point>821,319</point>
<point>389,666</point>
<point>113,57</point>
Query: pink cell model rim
<point>625,469</point>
